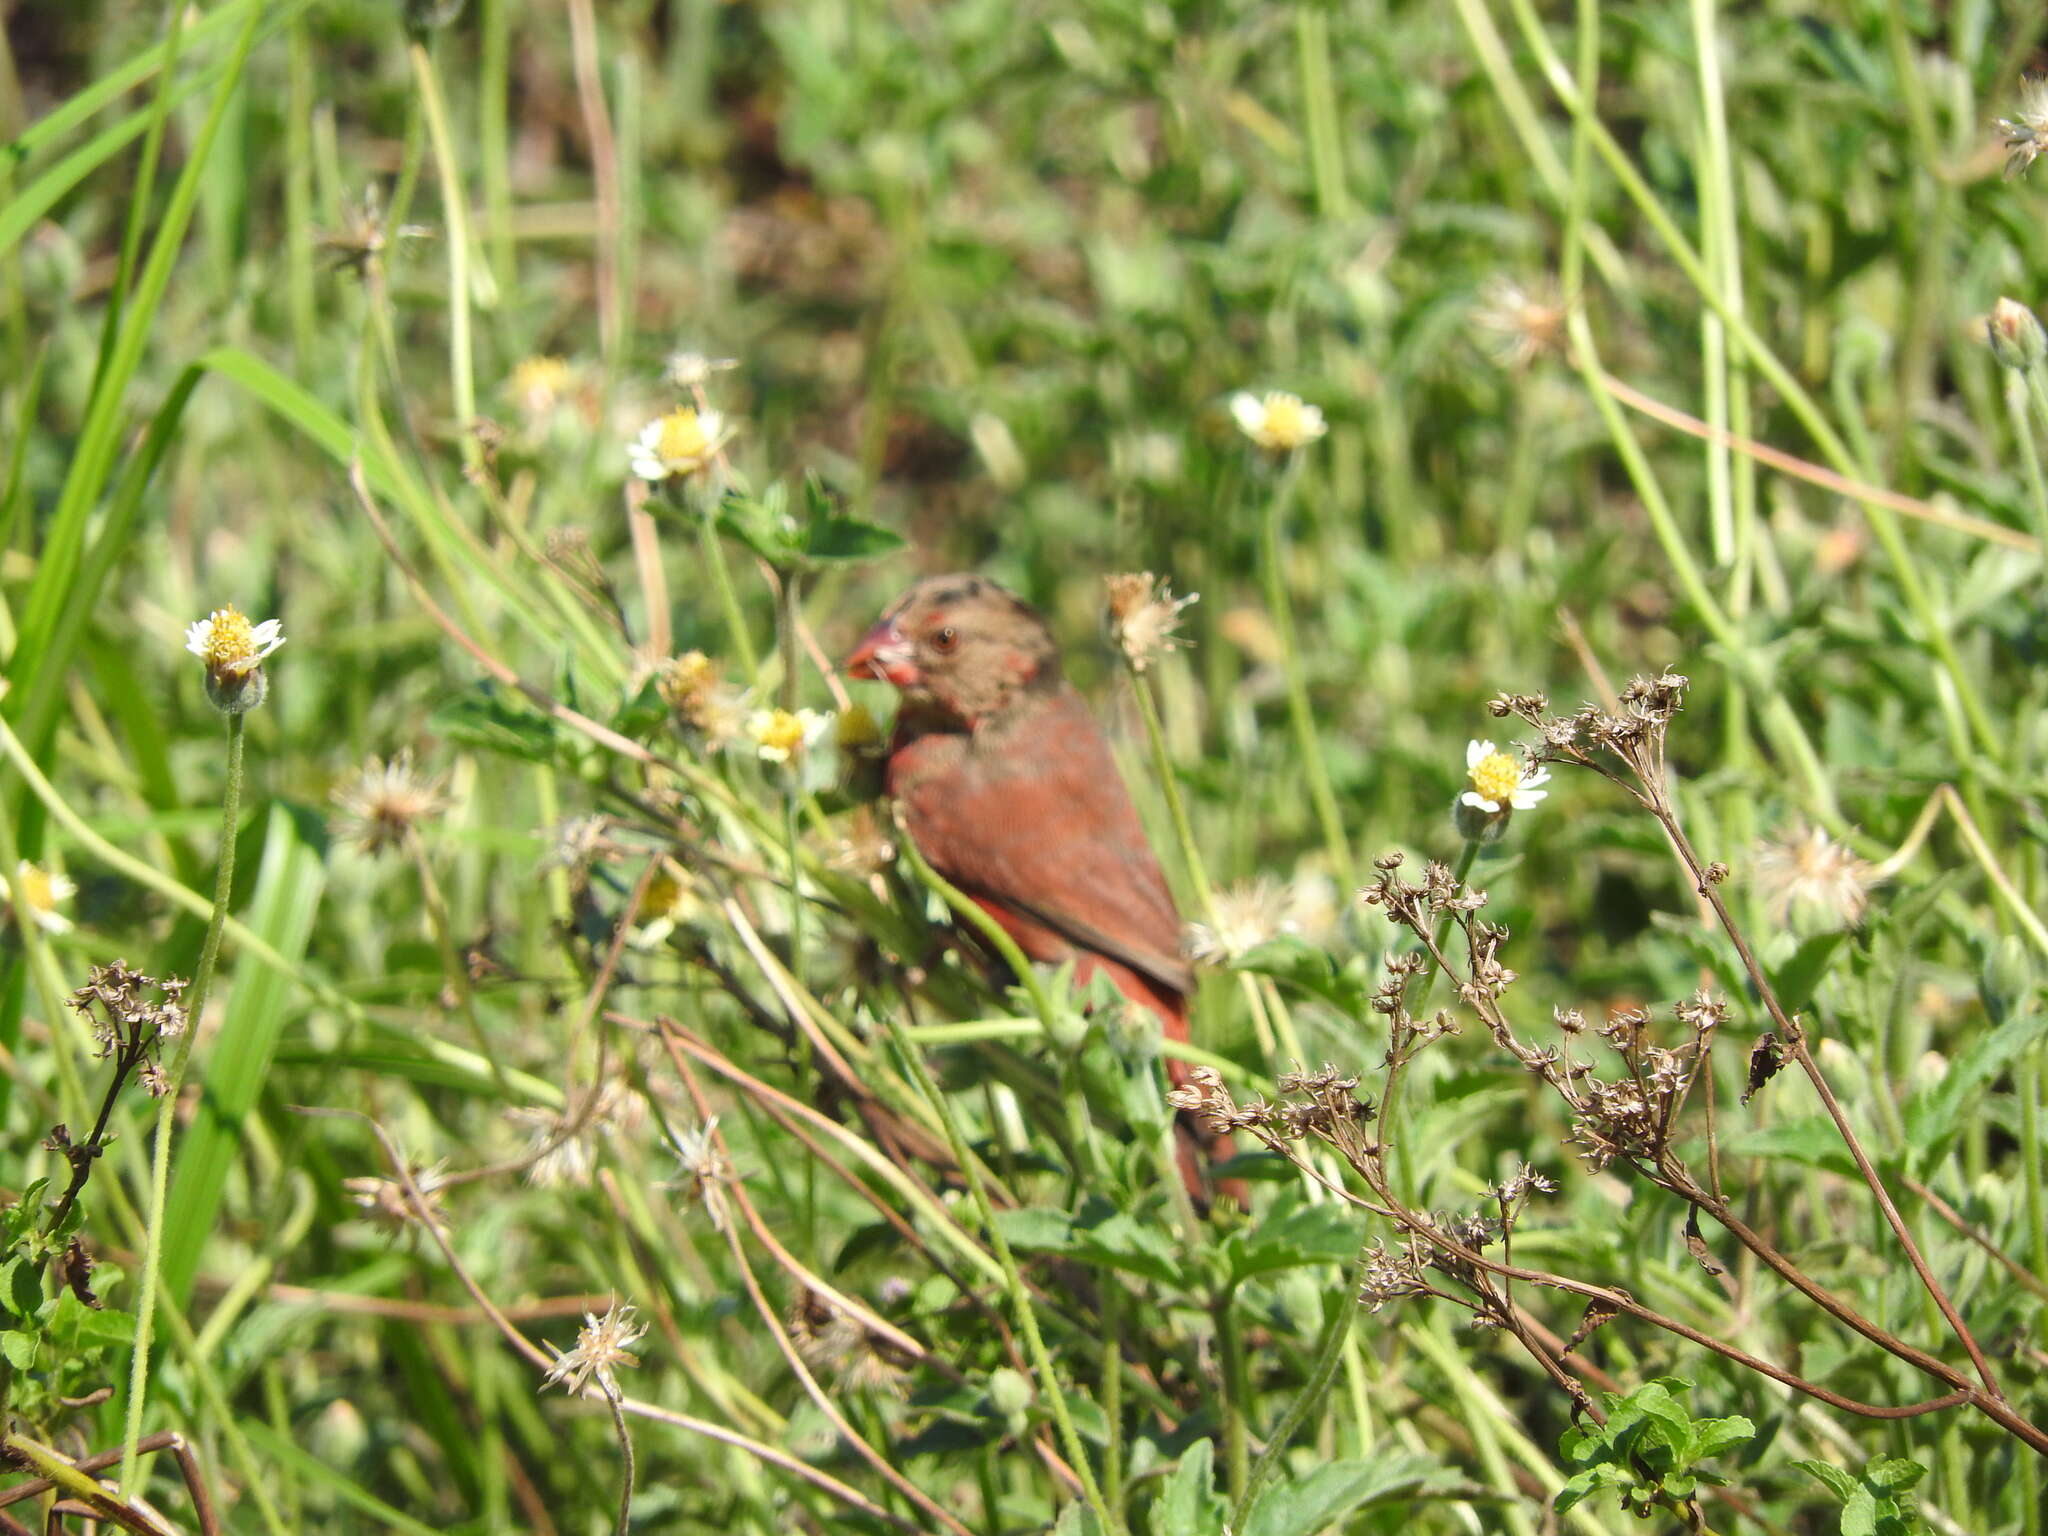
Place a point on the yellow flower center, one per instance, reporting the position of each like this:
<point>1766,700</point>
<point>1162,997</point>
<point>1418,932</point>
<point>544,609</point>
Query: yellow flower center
<point>37,890</point>
<point>539,381</point>
<point>1286,426</point>
<point>1496,777</point>
<point>683,677</point>
<point>230,639</point>
<point>857,728</point>
<point>781,732</point>
<point>666,897</point>
<point>682,438</point>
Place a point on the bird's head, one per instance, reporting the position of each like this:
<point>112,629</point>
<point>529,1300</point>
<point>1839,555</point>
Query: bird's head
<point>961,644</point>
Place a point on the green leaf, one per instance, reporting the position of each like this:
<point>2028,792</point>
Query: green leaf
<point>1936,1113</point>
<point>1302,965</point>
<point>1190,1505</point>
<point>74,1325</point>
<point>1800,977</point>
<point>1309,1234</point>
<point>1813,1142</point>
<point>1713,1436</point>
<point>840,540</point>
<point>1583,1485</point>
<point>1308,1504</point>
<point>1860,1512</point>
<point>1894,1472</point>
<point>485,719</point>
<point>640,716</point>
<point>21,1287</point>
<point>1840,1483</point>
<point>1121,1242</point>
<point>1037,1229</point>
<point>19,1348</point>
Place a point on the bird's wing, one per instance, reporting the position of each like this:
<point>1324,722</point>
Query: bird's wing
<point>1037,819</point>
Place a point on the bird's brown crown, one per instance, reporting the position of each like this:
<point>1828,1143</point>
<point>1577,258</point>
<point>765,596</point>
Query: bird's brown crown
<point>960,643</point>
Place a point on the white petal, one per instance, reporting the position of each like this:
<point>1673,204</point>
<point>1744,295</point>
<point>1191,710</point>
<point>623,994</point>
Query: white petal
<point>198,636</point>
<point>1540,776</point>
<point>1312,423</point>
<point>1476,751</point>
<point>646,465</point>
<point>1249,413</point>
<point>712,422</point>
<point>1524,798</point>
<point>1477,801</point>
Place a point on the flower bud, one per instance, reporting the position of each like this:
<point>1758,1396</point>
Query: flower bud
<point>2007,981</point>
<point>1476,824</point>
<point>2015,334</point>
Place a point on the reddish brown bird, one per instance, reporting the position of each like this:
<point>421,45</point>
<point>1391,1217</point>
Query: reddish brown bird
<point>1008,787</point>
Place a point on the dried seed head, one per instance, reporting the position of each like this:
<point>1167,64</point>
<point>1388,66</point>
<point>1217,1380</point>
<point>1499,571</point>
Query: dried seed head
<point>1807,874</point>
<point>1144,616</point>
<point>382,805</point>
<point>603,1345</point>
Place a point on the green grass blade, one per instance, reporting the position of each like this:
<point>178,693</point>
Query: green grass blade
<point>288,889</point>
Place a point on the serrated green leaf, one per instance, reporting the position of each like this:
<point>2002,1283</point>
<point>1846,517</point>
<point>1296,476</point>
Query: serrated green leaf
<point>1838,1482</point>
<point>1859,1512</point>
<point>486,718</point>
<point>1812,1142</point>
<point>19,1348</point>
<point>1190,1505</point>
<point>1037,1229</point>
<point>1122,1242</point>
<point>1713,1436</point>
<point>838,540</point>
<point>1583,1485</point>
<point>1309,1234</point>
<point>1936,1113</point>
<point>1894,1472</point>
<point>74,1325</point>
<point>1308,1504</point>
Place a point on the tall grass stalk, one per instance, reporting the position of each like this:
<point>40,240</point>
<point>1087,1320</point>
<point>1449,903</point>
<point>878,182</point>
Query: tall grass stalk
<point>167,1104</point>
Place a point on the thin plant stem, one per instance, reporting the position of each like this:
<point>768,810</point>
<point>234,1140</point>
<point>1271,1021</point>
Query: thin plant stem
<point>452,967</point>
<point>728,596</point>
<point>461,364</point>
<point>1322,1372</point>
<point>1169,787</point>
<point>1049,1386</point>
<point>167,1106</point>
<point>1299,710</point>
<point>1236,1395</point>
<point>2018,393</point>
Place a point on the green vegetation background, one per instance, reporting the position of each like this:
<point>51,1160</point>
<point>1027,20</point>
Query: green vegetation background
<point>992,274</point>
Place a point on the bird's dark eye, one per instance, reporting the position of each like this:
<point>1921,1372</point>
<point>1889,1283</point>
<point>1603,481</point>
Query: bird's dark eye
<point>945,638</point>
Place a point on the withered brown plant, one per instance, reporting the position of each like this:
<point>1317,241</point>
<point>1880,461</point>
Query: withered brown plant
<point>1648,1094</point>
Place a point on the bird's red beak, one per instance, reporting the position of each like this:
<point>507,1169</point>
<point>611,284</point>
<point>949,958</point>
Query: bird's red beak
<point>884,655</point>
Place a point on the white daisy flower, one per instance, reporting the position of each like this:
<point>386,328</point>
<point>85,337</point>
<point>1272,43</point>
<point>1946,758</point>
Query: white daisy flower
<point>677,445</point>
<point>1277,421</point>
<point>1499,781</point>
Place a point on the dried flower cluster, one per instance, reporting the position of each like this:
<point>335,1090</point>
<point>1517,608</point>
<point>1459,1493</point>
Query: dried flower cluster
<point>130,1016</point>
